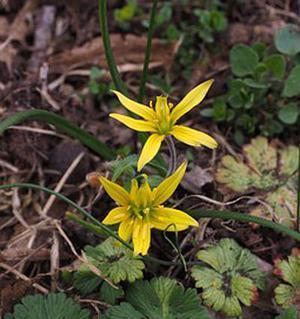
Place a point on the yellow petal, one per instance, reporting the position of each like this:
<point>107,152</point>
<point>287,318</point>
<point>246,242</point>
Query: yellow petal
<point>141,237</point>
<point>125,229</point>
<point>140,109</point>
<point>116,216</point>
<point>193,137</point>
<point>137,125</point>
<point>161,108</point>
<point>194,97</point>
<point>164,217</point>
<point>144,194</point>
<point>167,187</point>
<point>115,191</point>
<point>149,150</point>
<point>133,190</point>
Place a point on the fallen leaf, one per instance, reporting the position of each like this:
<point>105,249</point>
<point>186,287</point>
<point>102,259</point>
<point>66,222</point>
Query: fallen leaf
<point>127,50</point>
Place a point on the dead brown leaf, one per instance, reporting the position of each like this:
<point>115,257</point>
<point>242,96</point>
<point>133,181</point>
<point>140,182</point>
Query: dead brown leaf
<point>195,179</point>
<point>127,50</point>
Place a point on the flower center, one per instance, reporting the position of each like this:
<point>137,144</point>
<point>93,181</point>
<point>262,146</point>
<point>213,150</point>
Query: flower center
<point>163,120</point>
<point>139,212</point>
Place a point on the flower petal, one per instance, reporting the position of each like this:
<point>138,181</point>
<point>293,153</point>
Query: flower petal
<point>115,191</point>
<point>116,216</point>
<point>141,237</point>
<point>164,216</point>
<point>140,109</point>
<point>149,150</point>
<point>125,229</point>
<point>162,109</point>
<point>193,137</point>
<point>194,97</point>
<point>137,125</point>
<point>166,188</point>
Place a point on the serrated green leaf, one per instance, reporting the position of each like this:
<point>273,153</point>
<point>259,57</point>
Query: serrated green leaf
<point>164,298</point>
<point>234,268</point>
<point>243,60</point>
<point>85,280</point>
<point>115,261</point>
<point>284,295</point>
<point>259,171</point>
<point>123,311</point>
<point>110,294</point>
<point>244,288</point>
<point>291,85</point>
<point>287,294</point>
<point>287,40</point>
<point>52,306</point>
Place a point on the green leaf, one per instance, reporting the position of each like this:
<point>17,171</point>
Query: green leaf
<point>166,299</point>
<point>289,113</point>
<point>287,40</point>
<point>243,60</point>
<point>115,261</point>
<point>276,64</point>
<point>255,84</point>
<point>259,170</point>
<point>85,280</point>
<point>219,110</point>
<point>218,20</point>
<point>127,12</point>
<point>120,167</point>
<point>63,125</point>
<point>232,267</point>
<point>123,311</point>
<point>290,313</point>
<point>260,49</point>
<point>110,294</point>
<point>52,306</point>
<point>291,86</point>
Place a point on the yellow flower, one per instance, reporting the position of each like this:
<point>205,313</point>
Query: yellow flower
<point>141,209</point>
<point>161,121</point>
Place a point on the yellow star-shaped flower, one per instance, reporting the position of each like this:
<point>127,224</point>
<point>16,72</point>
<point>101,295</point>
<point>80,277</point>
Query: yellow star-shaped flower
<point>141,209</point>
<point>161,121</point>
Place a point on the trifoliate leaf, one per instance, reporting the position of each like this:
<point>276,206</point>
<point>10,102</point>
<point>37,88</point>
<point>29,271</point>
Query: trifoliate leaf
<point>161,298</point>
<point>259,170</point>
<point>234,279</point>
<point>287,294</point>
<point>115,261</point>
<point>52,306</point>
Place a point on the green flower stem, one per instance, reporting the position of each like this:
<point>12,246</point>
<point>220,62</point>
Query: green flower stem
<point>226,215</point>
<point>89,226</point>
<point>298,197</point>
<point>102,12</point>
<point>172,150</point>
<point>148,51</point>
<point>63,125</point>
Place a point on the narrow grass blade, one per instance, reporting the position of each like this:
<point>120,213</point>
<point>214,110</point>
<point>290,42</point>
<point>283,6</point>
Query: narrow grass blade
<point>62,124</point>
